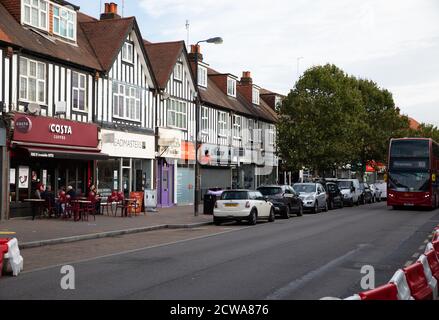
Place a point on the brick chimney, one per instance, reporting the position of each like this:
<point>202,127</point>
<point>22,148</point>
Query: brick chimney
<point>13,7</point>
<point>195,50</point>
<point>110,12</point>
<point>245,86</point>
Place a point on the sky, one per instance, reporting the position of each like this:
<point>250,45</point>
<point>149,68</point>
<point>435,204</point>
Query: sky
<point>394,42</point>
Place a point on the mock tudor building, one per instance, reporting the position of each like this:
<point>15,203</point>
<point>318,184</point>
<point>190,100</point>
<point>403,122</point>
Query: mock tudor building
<point>88,101</point>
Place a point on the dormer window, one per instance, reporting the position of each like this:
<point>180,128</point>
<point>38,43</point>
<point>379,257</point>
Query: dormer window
<point>178,72</point>
<point>64,22</point>
<point>231,87</point>
<point>202,76</point>
<point>128,52</point>
<point>255,96</point>
<point>35,13</point>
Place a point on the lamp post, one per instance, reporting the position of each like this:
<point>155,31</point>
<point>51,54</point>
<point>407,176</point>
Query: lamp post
<point>216,40</point>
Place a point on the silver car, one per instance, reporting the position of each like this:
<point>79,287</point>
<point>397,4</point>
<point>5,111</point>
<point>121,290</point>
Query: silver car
<point>376,193</point>
<point>313,196</point>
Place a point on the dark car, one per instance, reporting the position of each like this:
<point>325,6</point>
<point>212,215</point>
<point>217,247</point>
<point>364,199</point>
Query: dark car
<point>284,199</point>
<point>335,197</point>
<point>366,193</point>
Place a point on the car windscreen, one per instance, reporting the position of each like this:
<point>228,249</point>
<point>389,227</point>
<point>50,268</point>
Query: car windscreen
<point>304,188</point>
<point>234,195</point>
<point>344,184</point>
<point>270,191</point>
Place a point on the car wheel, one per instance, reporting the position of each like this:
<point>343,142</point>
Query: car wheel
<point>271,217</point>
<point>252,218</point>
<point>300,212</point>
<point>286,214</point>
<point>316,208</point>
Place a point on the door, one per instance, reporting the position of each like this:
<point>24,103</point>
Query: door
<point>166,179</point>
<point>321,196</point>
<point>263,205</point>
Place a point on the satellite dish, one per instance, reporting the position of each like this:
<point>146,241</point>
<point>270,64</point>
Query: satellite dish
<point>33,108</point>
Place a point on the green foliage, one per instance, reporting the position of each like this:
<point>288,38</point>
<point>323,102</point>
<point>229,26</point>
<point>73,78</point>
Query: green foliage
<point>331,119</point>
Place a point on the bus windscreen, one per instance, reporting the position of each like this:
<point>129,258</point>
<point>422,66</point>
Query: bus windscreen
<point>410,149</point>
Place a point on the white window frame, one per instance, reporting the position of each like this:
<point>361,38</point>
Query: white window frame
<point>178,71</point>
<point>202,76</point>
<point>222,124</point>
<point>36,78</point>
<point>127,102</point>
<point>68,23</point>
<point>231,87</point>
<point>204,119</point>
<point>255,96</point>
<point>251,129</point>
<point>80,87</point>
<point>30,6</point>
<point>237,125</point>
<point>177,114</point>
<point>271,135</point>
<point>127,48</point>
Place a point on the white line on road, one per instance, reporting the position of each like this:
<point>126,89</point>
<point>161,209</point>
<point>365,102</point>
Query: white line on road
<point>295,284</point>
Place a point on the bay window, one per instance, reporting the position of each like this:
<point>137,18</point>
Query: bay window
<point>78,91</point>
<point>177,114</point>
<point>64,22</point>
<point>126,102</point>
<point>32,81</point>
<point>35,13</point>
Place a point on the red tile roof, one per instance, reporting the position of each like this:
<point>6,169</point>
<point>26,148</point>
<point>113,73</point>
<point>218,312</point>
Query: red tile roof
<point>163,57</point>
<point>414,124</point>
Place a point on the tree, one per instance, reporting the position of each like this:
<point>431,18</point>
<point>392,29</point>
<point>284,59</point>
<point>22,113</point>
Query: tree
<point>320,119</point>
<point>425,131</point>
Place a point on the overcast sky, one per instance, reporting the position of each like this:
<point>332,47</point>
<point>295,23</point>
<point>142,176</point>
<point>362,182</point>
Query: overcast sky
<point>393,42</point>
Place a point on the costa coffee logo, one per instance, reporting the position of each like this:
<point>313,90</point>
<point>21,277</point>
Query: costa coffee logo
<point>23,125</point>
<point>60,129</point>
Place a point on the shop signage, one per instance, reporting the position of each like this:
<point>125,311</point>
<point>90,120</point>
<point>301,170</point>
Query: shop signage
<point>45,130</point>
<point>214,155</point>
<point>170,143</point>
<point>187,151</point>
<point>127,145</point>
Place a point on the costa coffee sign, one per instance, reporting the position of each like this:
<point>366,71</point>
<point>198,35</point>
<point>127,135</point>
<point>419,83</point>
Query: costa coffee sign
<point>45,130</point>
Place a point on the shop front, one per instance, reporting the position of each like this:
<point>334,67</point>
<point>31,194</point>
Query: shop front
<point>51,152</point>
<point>216,170</point>
<point>130,164</point>
<point>185,175</point>
<point>169,154</point>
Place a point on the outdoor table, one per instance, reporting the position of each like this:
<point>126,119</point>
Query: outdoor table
<point>36,205</point>
<point>127,203</point>
<point>77,213</point>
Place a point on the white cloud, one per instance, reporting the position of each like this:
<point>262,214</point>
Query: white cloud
<point>266,37</point>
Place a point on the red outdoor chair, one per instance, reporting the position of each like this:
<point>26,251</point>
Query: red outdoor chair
<point>109,204</point>
<point>120,203</point>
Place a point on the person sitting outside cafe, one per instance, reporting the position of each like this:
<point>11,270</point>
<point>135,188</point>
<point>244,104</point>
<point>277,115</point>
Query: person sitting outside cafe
<point>49,196</point>
<point>71,192</point>
<point>39,190</point>
<point>95,198</point>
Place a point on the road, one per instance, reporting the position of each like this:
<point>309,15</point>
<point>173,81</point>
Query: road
<point>306,257</point>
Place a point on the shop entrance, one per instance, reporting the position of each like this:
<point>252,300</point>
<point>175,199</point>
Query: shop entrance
<point>165,183</point>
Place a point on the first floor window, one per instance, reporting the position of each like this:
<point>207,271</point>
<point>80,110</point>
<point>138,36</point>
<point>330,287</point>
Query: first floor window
<point>177,114</point>
<point>78,91</point>
<point>32,81</point>
<point>128,52</point>
<point>271,135</point>
<point>222,123</point>
<point>204,119</point>
<point>237,127</point>
<point>251,127</point>
<point>126,102</point>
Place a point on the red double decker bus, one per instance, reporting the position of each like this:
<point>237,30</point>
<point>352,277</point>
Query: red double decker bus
<point>412,170</point>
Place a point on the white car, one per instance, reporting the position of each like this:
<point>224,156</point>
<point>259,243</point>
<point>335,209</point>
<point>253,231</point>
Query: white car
<point>382,186</point>
<point>313,196</point>
<point>242,205</point>
<point>376,193</point>
<point>350,188</point>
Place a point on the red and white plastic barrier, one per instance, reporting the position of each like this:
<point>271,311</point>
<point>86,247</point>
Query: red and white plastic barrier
<point>12,256</point>
<point>386,292</point>
<point>402,286</point>
<point>432,282</point>
<point>417,282</point>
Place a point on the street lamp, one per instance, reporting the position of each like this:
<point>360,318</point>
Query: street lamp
<point>215,40</point>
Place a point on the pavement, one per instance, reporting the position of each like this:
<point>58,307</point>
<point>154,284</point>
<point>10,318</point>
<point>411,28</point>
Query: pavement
<point>45,231</point>
<point>307,257</point>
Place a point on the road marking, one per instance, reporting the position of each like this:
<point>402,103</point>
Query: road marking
<point>408,263</point>
<point>133,250</point>
<point>297,283</point>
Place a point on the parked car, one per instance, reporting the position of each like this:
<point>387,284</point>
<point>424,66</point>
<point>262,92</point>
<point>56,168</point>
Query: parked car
<point>242,205</point>
<point>284,199</point>
<point>313,196</point>
<point>376,193</point>
<point>366,193</point>
<point>334,195</point>
<point>350,188</point>
<point>382,186</point>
